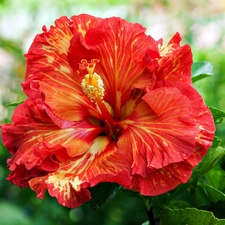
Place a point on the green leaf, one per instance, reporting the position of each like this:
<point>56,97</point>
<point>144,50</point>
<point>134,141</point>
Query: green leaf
<point>201,70</point>
<point>188,216</point>
<point>218,114</point>
<point>209,161</point>
<point>102,193</point>
<point>205,195</point>
<point>146,223</point>
<point>216,177</point>
<point>216,142</point>
<point>14,103</point>
<point>217,209</point>
<point>179,204</point>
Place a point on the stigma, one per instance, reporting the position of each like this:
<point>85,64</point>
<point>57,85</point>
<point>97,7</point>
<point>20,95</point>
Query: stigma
<point>92,84</point>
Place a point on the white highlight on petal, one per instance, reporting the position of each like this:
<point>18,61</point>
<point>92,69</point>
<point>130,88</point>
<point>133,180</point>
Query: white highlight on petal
<point>76,183</point>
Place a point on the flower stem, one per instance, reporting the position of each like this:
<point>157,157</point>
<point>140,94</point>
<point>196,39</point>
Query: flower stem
<point>153,220</point>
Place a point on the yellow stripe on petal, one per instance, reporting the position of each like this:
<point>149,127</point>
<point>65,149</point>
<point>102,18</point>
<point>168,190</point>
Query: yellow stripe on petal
<point>76,183</point>
<point>161,132</point>
<point>99,145</point>
<point>60,186</point>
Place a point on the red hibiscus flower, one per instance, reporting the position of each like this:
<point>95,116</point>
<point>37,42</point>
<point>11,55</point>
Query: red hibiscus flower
<point>106,103</point>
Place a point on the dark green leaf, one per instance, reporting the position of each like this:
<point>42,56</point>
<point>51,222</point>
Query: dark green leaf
<point>205,195</point>
<point>217,209</point>
<point>216,142</point>
<point>14,103</point>
<point>216,177</point>
<point>179,204</point>
<point>218,114</point>
<point>211,159</point>
<point>189,216</point>
<point>102,193</point>
<point>201,70</point>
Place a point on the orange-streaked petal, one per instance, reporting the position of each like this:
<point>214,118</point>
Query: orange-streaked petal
<point>49,73</point>
<point>83,22</point>
<point>120,46</point>
<point>200,114</point>
<point>59,186</point>
<point>70,105</point>
<point>159,131</point>
<point>102,163</point>
<point>49,50</point>
<point>134,99</point>
<point>159,181</point>
<point>175,62</point>
<point>33,140</point>
<point>168,136</point>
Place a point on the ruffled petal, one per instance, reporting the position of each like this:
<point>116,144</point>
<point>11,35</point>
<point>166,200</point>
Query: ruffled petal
<point>175,62</point>
<point>167,136</point>
<point>34,138</point>
<point>159,181</point>
<point>200,114</point>
<point>49,73</point>
<point>63,161</point>
<point>159,131</point>
<point>21,175</point>
<point>120,46</point>
<point>49,50</point>
<point>59,186</point>
<point>82,23</point>
<point>102,163</point>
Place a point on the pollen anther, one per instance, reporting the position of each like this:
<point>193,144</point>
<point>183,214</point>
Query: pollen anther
<point>92,84</point>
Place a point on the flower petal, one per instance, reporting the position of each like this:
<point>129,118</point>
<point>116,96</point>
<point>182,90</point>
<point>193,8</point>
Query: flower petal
<point>120,46</point>
<point>21,175</point>
<point>159,131</point>
<point>175,62</point>
<point>83,22</point>
<point>102,163</point>
<point>32,139</point>
<point>200,114</point>
<point>64,161</point>
<point>159,181</point>
<point>59,187</point>
<point>49,73</point>
<point>49,50</point>
<point>168,134</point>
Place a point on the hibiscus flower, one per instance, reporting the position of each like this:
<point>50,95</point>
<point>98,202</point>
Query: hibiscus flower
<point>106,103</point>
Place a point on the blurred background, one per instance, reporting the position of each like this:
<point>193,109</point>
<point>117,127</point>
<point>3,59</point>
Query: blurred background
<point>201,24</point>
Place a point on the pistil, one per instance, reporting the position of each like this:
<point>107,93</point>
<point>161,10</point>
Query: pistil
<point>93,86</point>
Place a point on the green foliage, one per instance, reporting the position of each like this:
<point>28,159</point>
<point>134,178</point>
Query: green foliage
<point>188,216</point>
<point>204,194</point>
<point>102,193</point>
<point>205,188</point>
<point>201,70</point>
<point>217,209</point>
<point>218,114</point>
<point>14,103</point>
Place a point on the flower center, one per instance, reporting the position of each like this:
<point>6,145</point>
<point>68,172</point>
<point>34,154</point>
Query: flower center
<point>93,86</point>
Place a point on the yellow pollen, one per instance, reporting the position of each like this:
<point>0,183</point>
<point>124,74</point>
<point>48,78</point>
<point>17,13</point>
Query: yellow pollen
<point>92,84</point>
